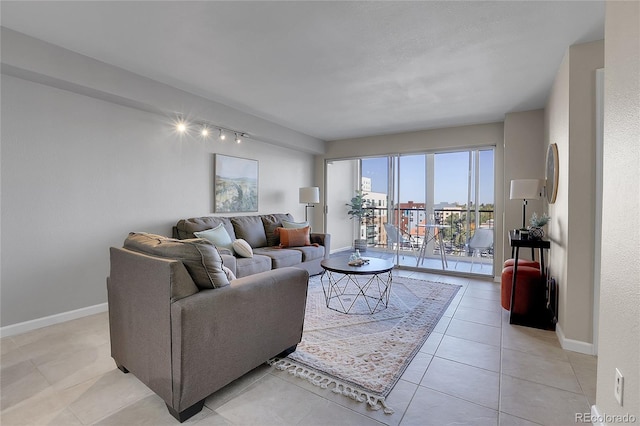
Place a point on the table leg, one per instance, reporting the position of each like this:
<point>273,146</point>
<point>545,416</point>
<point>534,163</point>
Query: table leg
<point>374,290</point>
<point>513,285</point>
<point>443,254</point>
<point>423,248</point>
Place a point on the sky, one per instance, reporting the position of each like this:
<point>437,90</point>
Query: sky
<point>450,174</point>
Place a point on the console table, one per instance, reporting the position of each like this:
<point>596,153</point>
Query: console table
<point>541,245</point>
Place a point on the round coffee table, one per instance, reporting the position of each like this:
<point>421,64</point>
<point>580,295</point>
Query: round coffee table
<point>345,292</point>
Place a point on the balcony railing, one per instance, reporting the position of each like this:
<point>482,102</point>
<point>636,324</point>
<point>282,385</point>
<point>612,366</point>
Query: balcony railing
<point>456,233</point>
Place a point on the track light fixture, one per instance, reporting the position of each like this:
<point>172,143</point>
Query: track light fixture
<point>182,126</point>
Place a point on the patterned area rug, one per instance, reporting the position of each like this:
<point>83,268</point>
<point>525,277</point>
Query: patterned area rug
<point>363,356</point>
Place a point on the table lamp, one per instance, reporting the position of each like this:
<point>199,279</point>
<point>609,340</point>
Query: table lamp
<point>309,195</point>
<point>525,189</point>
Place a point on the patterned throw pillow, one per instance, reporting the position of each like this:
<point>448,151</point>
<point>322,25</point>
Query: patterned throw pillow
<point>296,237</point>
<point>242,248</point>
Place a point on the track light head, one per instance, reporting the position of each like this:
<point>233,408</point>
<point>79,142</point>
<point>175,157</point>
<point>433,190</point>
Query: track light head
<point>205,129</point>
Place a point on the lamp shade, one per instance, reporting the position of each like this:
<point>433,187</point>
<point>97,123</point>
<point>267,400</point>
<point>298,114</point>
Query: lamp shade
<point>525,189</point>
<point>309,195</point>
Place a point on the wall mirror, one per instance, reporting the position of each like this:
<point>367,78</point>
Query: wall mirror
<point>551,173</point>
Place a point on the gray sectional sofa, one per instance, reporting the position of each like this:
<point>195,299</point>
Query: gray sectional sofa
<point>185,327</point>
<point>258,231</point>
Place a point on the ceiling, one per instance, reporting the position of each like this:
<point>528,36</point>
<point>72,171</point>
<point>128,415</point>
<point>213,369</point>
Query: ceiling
<point>332,70</point>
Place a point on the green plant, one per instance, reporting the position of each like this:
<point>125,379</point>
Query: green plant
<point>538,221</point>
<point>358,207</point>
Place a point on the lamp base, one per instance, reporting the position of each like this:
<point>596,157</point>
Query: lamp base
<point>306,212</point>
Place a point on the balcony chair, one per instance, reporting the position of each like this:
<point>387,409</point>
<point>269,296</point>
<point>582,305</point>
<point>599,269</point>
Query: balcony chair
<point>396,239</point>
<point>481,240</point>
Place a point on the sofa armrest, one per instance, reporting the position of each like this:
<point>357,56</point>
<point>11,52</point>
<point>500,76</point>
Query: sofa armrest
<point>323,240</point>
<point>140,289</point>
<point>226,332</point>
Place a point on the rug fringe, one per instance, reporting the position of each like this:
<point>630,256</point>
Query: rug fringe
<point>322,381</point>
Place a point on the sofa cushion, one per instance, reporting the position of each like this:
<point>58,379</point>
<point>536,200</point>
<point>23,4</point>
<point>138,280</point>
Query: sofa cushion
<point>281,258</point>
<point>250,229</point>
<point>199,256</point>
<point>218,236</point>
<point>312,252</point>
<point>246,266</point>
<point>242,248</point>
<point>271,222</point>
<point>294,237</point>
<point>185,228</point>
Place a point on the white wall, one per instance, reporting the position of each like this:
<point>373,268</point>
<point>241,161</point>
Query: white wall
<point>82,167</point>
<point>523,159</point>
<point>570,123</point>
<point>619,329</point>
<point>342,178</point>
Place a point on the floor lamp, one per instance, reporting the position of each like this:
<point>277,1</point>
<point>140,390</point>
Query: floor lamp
<point>309,195</point>
<point>525,189</point>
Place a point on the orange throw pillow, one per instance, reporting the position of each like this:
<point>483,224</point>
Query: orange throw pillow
<point>297,237</point>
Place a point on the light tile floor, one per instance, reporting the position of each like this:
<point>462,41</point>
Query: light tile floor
<point>474,369</point>
<point>455,264</point>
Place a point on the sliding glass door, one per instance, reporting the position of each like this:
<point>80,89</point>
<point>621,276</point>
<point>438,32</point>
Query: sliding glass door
<point>424,209</point>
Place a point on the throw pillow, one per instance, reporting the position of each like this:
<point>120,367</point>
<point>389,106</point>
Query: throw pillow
<point>218,236</point>
<point>250,229</point>
<point>242,248</point>
<point>293,225</point>
<point>296,237</point>
<point>271,222</point>
<point>199,256</point>
<point>229,273</point>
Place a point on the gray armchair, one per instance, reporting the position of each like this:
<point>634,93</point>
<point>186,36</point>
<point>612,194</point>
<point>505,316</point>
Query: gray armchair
<point>185,343</point>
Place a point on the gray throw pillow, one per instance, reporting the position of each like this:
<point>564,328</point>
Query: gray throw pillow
<point>250,229</point>
<point>271,222</point>
<point>199,256</point>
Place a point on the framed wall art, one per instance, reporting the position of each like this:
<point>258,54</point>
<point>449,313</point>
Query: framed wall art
<point>235,184</point>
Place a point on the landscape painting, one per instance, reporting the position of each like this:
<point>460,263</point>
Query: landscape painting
<point>235,184</point>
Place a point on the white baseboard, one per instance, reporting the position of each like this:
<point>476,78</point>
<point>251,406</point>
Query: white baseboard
<point>341,249</point>
<point>23,327</point>
<point>574,345</point>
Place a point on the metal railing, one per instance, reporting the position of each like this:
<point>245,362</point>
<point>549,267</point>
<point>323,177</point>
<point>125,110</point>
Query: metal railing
<point>456,233</point>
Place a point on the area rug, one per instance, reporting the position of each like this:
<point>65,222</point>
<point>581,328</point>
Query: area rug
<point>363,356</point>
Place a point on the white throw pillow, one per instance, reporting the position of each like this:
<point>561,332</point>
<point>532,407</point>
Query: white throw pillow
<point>242,248</point>
<point>218,236</point>
<point>229,273</point>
